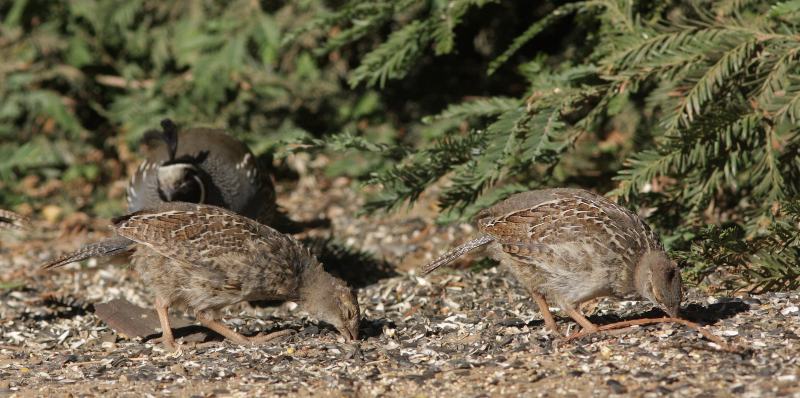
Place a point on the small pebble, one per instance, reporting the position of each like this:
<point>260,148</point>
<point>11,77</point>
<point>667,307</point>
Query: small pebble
<point>790,311</point>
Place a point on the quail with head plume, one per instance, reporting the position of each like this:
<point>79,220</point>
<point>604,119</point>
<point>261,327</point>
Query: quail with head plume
<point>11,220</point>
<point>202,165</point>
<point>570,246</point>
<point>204,258</point>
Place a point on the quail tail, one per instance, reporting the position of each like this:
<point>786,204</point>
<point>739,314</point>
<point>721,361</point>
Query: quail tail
<point>448,257</point>
<point>108,247</point>
<point>8,218</point>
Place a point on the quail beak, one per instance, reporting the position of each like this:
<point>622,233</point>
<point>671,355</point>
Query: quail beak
<point>349,334</point>
<point>672,314</point>
<point>660,303</point>
<point>169,194</point>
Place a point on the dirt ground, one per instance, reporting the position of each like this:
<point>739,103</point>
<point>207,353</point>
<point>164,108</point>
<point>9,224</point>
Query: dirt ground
<point>454,333</point>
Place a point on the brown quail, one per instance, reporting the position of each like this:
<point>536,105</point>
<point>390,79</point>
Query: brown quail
<point>11,220</point>
<point>204,258</point>
<point>202,165</point>
<point>570,246</point>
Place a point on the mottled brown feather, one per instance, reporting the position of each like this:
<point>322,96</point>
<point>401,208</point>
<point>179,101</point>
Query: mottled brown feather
<point>204,258</point>
<point>572,245</point>
<point>11,220</point>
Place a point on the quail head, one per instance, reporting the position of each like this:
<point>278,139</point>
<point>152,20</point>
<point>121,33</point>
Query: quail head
<point>11,220</point>
<point>570,246</point>
<point>202,165</point>
<point>204,258</point>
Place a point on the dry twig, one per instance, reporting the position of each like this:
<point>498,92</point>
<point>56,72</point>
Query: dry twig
<point>639,322</point>
<point>12,347</point>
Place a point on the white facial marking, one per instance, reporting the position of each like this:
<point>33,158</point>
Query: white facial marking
<point>202,189</point>
<point>172,174</point>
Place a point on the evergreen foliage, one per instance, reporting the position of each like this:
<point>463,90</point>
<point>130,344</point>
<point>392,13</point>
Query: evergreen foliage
<point>686,111</point>
<point>693,113</point>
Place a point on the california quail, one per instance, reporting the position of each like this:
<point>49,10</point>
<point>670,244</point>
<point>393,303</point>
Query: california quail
<point>202,165</point>
<point>571,246</point>
<point>204,258</point>
<point>11,220</point>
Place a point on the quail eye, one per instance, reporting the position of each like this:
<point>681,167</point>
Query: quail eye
<point>671,275</point>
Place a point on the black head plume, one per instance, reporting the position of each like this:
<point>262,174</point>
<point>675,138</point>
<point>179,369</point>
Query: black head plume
<point>169,136</point>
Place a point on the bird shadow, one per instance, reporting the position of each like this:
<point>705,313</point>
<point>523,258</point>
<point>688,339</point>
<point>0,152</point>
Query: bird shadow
<point>357,268</point>
<point>63,307</point>
<point>697,313</point>
<point>374,327</point>
<point>712,313</point>
<point>701,314</point>
<point>282,223</point>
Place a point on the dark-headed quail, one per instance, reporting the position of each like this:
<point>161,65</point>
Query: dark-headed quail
<point>11,220</point>
<point>202,165</point>
<point>570,246</point>
<point>204,258</point>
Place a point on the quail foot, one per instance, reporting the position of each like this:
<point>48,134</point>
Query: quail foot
<point>202,165</point>
<point>204,258</point>
<point>570,246</point>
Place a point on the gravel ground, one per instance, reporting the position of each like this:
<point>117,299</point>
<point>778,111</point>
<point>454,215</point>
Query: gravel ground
<point>455,333</point>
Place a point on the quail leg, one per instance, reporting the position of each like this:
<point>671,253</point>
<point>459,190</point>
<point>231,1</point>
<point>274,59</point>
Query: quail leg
<point>166,329</point>
<point>208,321</point>
<point>578,317</point>
<point>549,320</point>
<point>263,338</point>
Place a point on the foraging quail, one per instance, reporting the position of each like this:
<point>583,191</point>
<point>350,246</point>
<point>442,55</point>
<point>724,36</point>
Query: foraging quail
<point>11,220</point>
<point>571,246</point>
<point>202,165</point>
<point>204,258</point>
